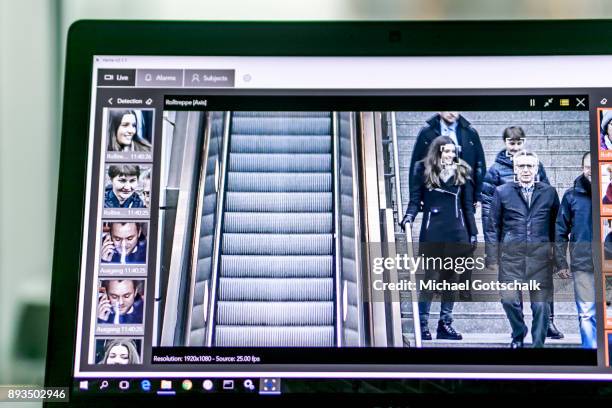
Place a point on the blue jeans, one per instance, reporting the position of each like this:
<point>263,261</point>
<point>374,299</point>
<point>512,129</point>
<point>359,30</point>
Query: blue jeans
<point>584,289</point>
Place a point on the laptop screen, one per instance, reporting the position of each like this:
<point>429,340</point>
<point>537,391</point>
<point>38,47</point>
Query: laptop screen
<point>254,220</point>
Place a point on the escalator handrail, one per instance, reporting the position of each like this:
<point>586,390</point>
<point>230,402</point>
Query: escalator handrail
<point>195,247</point>
<point>408,233</point>
<point>357,225</point>
<point>216,258</point>
<point>339,312</point>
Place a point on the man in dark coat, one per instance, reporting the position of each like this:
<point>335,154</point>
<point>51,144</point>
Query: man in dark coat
<point>520,235</point>
<point>575,226</point>
<point>459,129</point>
<point>501,172</point>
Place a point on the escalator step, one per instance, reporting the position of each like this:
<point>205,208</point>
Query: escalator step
<point>279,182</point>
<point>281,126</point>
<point>276,114</point>
<point>277,223</point>
<point>287,163</point>
<point>240,336</point>
<point>278,202</point>
<point>277,244</point>
<point>280,144</point>
<point>275,313</point>
<point>276,289</point>
<point>254,266</point>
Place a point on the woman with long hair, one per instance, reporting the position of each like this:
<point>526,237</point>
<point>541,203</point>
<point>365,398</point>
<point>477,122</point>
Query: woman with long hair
<point>120,351</point>
<point>123,132</point>
<point>448,229</point>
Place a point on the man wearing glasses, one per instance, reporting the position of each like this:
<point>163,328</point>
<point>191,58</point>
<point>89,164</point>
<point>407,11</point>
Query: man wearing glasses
<point>520,235</point>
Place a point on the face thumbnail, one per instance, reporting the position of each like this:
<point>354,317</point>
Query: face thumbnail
<point>118,351</point>
<point>124,243</point>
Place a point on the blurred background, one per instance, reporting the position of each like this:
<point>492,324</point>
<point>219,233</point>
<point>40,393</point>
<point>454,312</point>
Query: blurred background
<point>32,49</point>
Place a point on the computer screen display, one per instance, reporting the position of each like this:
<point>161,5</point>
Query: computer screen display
<point>251,220</point>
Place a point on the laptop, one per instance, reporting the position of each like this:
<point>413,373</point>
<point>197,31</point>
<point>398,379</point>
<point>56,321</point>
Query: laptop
<point>283,210</point>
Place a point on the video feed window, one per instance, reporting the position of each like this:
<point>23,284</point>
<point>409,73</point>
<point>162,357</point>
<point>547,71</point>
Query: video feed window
<point>472,184</point>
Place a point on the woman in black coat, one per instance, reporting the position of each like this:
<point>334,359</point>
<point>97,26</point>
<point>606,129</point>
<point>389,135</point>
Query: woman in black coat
<point>444,193</point>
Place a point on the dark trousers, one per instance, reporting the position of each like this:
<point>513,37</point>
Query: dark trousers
<point>512,302</point>
<point>447,298</point>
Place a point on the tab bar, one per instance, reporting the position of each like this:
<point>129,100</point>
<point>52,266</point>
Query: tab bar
<point>116,77</point>
<point>165,78</point>
<point>210,78</point>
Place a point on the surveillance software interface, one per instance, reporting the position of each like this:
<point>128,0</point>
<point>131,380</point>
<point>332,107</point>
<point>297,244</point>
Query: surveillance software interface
<point>251,219</point>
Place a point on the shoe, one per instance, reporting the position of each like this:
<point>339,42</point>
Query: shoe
<point>425,334</point>
<point>516,344</point>
<point>446,332</point>
<point>553,332</point>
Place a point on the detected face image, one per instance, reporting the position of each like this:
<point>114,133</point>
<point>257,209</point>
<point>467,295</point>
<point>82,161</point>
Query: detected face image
<point>127,186</point>
<point>124,243</point>
<point>605,174</point>
<point>120,301</point>
<point>118,351</point>
<point>605,129</point>
<point>129,130</point>
<point>606,228</point>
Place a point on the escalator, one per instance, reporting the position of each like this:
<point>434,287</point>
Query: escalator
<point>276,269</point>
<point>268,239</point>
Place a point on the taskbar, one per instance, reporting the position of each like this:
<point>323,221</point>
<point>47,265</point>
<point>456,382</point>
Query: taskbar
<point>174,386</point>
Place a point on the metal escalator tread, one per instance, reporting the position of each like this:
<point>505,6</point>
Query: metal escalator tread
<point>276,272</point>
<point>276,244</point>
<point>263,125</point>
<point>277,223</point>
<point>280,162</point>
<point>281,144</point>
<point>278,202</point>
<point>279,182</point>
<point>276,289</point>
<point>291,266</point>
<point>296,313</point>
<point>270,336</point>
